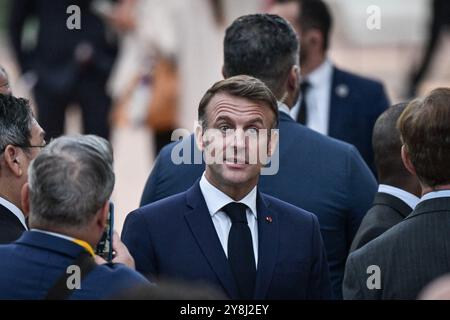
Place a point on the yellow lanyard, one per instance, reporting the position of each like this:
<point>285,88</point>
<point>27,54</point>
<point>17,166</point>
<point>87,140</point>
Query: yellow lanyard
<point>85,245</point>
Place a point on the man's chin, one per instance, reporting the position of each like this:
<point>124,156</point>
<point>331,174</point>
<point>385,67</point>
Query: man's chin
<point>237,173</point>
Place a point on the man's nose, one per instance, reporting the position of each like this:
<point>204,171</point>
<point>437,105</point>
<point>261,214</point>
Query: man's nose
<point>239,138</point>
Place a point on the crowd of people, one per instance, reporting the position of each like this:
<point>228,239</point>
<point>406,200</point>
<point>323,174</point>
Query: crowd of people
<point>354,205</point>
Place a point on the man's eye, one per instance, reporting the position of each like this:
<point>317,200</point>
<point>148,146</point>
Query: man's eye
<point>253,130</point>
<point>224,128</point>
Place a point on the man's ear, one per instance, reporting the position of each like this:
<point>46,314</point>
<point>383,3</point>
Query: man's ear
<point>25,199</point>
<point>13,159</point>
<point>294,78</point>
<point>407,161</point>
<point>223,72</point>
<point>199,137</point>
<point>102,215</point>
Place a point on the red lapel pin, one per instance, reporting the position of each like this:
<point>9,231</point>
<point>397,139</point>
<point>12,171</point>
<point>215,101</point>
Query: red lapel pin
<point>269,219</point>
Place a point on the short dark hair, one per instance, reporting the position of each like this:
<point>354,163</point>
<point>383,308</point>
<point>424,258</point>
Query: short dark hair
<point>425,132</point>
<point>16,119</point>
<point>264,46</point>
<point>243,87</point>
<point>314,14</point>
<point>387,145</point>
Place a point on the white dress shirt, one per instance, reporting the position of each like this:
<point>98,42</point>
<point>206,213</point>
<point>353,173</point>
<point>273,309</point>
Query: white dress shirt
<point>436,194</point>
<point>283,108</point>
<point>408,198</point>
<point>216,200</point>
<point>16,211</point>
<point>317,98</point>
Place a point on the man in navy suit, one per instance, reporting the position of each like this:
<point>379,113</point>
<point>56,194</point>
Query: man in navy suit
<point>315,172</point>
<point>334,102</point>
<point>223,231</point>
<point>69,186</point>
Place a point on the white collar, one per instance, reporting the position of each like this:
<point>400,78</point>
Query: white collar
<point>58,235</point>
<point>284,108</point>
<point>216,199</point>
<point>16,211</point>
<point>408,198</point>
<point>436,194</point>
<point>321,75</point>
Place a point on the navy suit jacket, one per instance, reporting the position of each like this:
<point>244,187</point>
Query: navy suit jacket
<point>32,264</point>
<point>317,173</point>
<point>355,105</point>
<point>176,238</point>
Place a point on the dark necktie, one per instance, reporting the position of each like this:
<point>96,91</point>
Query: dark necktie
<point>303,112</point>
<point>240,250</point>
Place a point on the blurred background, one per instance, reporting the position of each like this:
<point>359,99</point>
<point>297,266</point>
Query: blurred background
<point>151,61</point>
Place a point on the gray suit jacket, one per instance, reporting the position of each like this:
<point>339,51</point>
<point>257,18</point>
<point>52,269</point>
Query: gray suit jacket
<point>410,255</point>
<point>387,210</point>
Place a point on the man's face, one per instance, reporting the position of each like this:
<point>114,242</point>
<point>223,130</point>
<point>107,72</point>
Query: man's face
<point>4,83</point>
<point>236,142</point>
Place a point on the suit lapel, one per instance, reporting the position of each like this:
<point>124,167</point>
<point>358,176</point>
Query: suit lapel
<point>202,227</point>
<point>268,240</point>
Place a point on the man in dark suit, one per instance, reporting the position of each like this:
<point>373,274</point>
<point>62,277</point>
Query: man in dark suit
<point>314,172</point>
<point>223,231</point>
<point>68,192</point>
<point>402,261</point>
<point>21,139</point>
<point>71,65</point>
<point>334,102</point>
<point>399,190</point>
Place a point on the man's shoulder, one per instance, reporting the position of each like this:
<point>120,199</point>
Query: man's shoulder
<point>380,212</point>
<point>381,247</point>
<point>316,140</point>
<point>165,208</point>
<point>109,281</point>
<point>357,80</point>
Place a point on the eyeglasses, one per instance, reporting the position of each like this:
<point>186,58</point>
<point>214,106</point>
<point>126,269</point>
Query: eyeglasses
<point>30,145</point>
<point>25,146</point>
